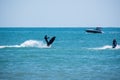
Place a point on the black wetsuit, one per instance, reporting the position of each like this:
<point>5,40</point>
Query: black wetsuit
<point>114,43</point>
<point>50,41</point>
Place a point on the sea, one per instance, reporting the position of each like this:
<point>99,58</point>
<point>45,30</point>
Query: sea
<point>74,55</point>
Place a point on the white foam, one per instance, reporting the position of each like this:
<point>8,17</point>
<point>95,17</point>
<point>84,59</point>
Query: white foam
<point>2,46</point>
<point>28,43</point>
<point>106,47</point>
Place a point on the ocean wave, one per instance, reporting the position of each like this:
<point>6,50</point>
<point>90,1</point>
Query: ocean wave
<point>28,43</point>
<point>114,32</point>
<point>105,47</point>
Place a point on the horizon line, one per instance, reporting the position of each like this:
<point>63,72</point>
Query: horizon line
<point>59,26</point>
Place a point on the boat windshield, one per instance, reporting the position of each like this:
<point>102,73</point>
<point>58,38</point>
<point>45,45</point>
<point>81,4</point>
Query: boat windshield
<point>98,28</point>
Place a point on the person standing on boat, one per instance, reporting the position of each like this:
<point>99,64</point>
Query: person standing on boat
<point>114,44</point>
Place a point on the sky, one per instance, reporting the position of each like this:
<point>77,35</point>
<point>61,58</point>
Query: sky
<point>59,13</point>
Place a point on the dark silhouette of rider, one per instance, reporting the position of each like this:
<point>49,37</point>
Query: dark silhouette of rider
<point>50,41</point>
<point>114,44</point>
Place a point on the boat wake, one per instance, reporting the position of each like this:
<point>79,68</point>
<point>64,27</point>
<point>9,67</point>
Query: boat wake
<point>28,43</point>
<point>105,47</point>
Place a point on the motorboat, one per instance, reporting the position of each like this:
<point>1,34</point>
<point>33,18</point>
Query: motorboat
<point>97,30</point>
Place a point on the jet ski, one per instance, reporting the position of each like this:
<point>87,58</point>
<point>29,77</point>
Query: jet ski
<point>97,30</point>
<point>49,42</point>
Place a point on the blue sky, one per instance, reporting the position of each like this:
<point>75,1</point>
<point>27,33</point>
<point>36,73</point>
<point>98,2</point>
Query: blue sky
<point>59,13</point>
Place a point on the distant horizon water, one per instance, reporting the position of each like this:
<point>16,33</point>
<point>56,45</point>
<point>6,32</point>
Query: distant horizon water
<point>58,26</point>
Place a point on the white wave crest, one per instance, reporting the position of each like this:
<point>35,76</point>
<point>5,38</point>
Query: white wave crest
<point>28,43</point>
<point>106,47</point>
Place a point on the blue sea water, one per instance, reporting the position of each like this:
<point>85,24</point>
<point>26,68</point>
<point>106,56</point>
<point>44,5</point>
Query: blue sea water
<point>74,55</point>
